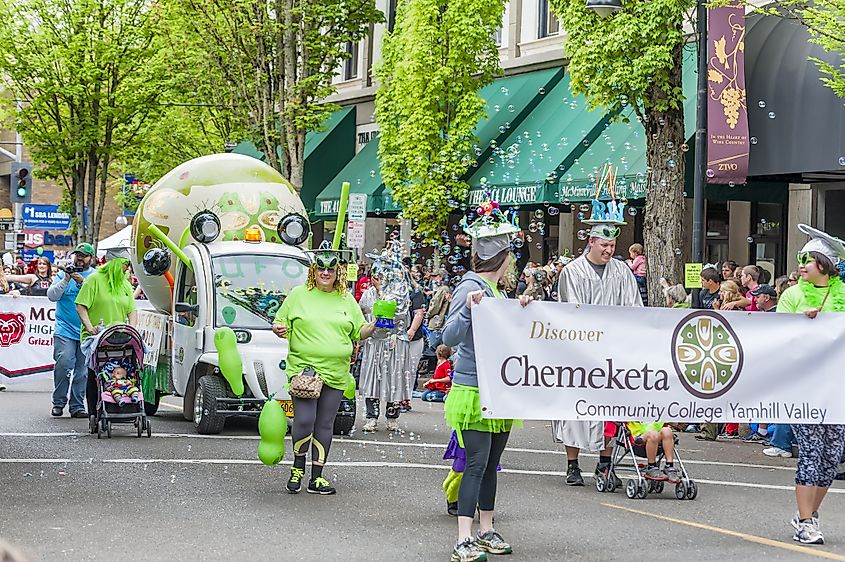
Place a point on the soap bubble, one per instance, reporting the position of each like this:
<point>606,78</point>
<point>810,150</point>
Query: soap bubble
<point>541,91</point>
<point>750,240</point>
<point>678,251</point>
<point>684,147</point>
<point>554,211</point>
<point>566,200</point>
<point>671,163</point>
<point>842,160</point>
<point>731,184</point>
<point>582,235</point>
<point>517,242</point>
<point>532,227</point>
<point>710,173</point>
<point>496,108</point>
<point>761,104</point>
<point>372,173</point>
<point>772,115</point>
<point>538,214</point>
<point>753,140</point>
<point>632,211</point>
<point>511,108</point>
<point>584,208</point>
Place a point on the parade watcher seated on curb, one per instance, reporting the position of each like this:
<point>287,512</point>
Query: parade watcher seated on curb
<point>438,386</point>
<point>652,435</point>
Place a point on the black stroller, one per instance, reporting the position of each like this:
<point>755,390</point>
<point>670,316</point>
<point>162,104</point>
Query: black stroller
<point>119,344</point>
<point>638,486</point>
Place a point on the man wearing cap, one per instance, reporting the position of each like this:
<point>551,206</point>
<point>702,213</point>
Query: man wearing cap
<point>593,278</point>
<point>766,298</point>
<point>70,370</point>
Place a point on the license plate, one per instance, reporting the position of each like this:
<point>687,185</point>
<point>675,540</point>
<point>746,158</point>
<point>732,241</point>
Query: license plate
<point>287,407</point>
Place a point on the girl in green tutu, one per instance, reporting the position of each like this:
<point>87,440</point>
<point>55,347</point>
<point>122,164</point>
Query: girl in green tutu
<point>483,439</point>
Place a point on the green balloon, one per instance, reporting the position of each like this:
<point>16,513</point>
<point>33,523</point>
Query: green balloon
<point>272,426</point>
<point>384,309</point>
<point>272,423</point>
<point>231,364</point>
<point>270,454</point>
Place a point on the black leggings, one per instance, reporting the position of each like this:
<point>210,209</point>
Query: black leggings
<point>313,424</point>
<point>478,487</point>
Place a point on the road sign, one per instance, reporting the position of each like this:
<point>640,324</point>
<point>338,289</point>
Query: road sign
<point>357,208</point>
<point>355,234</point>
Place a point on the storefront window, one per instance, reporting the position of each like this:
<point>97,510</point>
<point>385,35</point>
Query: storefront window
<point>717,232</point>
<point>768,238</point>
<point>834,219</point>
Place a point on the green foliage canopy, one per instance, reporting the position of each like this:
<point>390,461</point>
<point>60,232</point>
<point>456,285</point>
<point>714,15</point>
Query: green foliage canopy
<point>427,106</point>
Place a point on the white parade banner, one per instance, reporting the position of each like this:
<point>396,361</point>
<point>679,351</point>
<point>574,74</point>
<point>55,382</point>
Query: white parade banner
<point>26,335</point>
<point>560,361</point>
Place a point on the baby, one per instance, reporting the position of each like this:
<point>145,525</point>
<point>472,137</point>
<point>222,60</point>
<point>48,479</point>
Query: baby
<point>120,385</point>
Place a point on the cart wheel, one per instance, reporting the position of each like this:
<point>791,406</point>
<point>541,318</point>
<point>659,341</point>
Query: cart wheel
<point>631,489</point>
<point>658,487</point>
<point>108,429</point>
<point>642,491</point>
<point>692,490</point>
<point>139,425</point>
<point>615,482</point>
<point>601,482</point>
<point>149,429</point>
<point>99,430</point>
<point>680,491</point>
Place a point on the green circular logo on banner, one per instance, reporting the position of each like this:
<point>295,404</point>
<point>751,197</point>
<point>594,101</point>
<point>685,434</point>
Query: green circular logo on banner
<point>707,354</point>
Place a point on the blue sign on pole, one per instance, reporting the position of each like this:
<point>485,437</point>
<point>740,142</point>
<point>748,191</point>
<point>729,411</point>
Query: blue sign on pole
<point>46,217</point>
<point>29,254</point>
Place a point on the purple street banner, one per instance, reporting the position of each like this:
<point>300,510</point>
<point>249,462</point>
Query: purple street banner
<point>727,115</point>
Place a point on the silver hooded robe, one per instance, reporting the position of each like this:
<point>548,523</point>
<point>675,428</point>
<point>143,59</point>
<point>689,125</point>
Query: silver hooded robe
<point>579,283</point>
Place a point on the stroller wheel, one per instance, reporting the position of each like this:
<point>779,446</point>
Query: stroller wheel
<point>657,487</point>
<point>139,426</point>
<point>692,490</point>
<point>680,490</point>
<point>631,488</point>
<point>642,491</point>
<point>601,482</point>
<point>149,428</point>
<point>99,430</point>
<point>108,429</point>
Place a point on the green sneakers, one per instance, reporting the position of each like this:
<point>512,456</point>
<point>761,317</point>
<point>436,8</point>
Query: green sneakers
<point>468,551</point>
<point>492,542</point>
<point>320,486</point>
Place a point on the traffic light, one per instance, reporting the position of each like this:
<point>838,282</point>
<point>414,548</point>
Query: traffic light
<point>20,184</point>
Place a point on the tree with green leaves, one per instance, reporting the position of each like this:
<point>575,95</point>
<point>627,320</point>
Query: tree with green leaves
<point>434,62</point>
<point>277,58</point>
<point>87,76</point>
<point>633,59</point>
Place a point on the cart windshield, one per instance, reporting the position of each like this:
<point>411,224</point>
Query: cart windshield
<point>249,288</point>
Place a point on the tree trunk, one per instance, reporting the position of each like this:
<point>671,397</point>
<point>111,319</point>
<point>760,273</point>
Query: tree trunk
<point>664,211</point>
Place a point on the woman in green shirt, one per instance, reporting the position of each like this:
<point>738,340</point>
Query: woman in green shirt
<point>320,321</point>
<point>105,298</point>
<point>820,447</point>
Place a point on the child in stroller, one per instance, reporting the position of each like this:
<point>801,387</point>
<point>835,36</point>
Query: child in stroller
<point>655,441</point>
<point>117,360</point>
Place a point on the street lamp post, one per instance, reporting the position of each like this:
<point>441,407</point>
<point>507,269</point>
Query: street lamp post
<point>607,7</point>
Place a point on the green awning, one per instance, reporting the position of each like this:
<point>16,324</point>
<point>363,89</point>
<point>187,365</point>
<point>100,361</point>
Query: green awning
<point>364,176</point>
<point>623,145</point>
<point>509,101</point>
<point>327,151</point>
<point>525,167</point>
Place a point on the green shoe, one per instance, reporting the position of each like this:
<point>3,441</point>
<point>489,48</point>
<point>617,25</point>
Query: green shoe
<point>320,486</point>
<point>492,542</point>
<point>468,551</point>
<point>295,480</point>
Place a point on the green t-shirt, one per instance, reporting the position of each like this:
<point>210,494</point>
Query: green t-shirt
<point>321,327</point>
<point>795,299</point>
<point>493,287</point>
<point>103,306</point>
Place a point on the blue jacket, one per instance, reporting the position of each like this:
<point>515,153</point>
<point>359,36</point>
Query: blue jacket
<point>457,332</point>
<point>63,292</point>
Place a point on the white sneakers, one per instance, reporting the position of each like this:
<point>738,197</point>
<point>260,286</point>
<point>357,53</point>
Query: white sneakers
<point>807,532</point>
<point>392,425</point>
<point>777,452</point>
<point>371,426</point>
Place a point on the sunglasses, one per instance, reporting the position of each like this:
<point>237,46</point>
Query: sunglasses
<point>327,262</point>
<point>804,258</point>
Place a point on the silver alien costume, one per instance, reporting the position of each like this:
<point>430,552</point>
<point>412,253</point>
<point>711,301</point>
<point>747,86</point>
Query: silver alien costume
<point>385,365</point>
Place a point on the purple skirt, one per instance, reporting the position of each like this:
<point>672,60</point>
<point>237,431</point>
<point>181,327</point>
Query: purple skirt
<point>458,454</point>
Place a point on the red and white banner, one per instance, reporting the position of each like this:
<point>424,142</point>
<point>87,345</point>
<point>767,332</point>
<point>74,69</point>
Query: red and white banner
<point>26,335</point>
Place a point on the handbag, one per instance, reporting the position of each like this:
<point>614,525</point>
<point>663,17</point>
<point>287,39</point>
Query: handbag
<point>307,385</point>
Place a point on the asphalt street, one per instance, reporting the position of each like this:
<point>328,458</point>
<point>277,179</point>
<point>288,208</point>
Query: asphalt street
<point>64,495</point>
